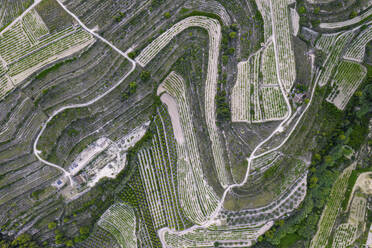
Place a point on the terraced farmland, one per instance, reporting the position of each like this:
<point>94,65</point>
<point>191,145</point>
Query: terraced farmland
<point>214,31</point>
<point>27,46</point>
<point>348,77</point>
<point>190,123</point>
<point>349,22</point>
<point>344,235</point>
<point>257,98</point>
<point>158,164</point>
<point>356,51</point>
<point>10,9</point>
<point>120,221</point>
<point>326,41</point>
<point>282,43</point>
<point>334,57</point>
<point>331,209</point>
<point>232,237</point>
<point>197,198</point>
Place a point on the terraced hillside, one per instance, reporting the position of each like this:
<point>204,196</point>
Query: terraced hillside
<point>189,123</point>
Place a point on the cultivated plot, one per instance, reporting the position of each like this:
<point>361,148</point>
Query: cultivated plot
<point>28,45</point>
<point>348,77</point>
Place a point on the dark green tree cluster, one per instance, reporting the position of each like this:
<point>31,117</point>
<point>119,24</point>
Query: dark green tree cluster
<point>119,16</point>
<point>156,3</point>
<point>222,107</point>
<point>338,129</point>
<point>229,35</point>
<point>22,241</point>
<point>145,75</point>
<point>130,91</point>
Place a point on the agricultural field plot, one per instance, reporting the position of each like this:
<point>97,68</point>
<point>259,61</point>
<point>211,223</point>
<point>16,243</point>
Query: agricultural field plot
<point>348,232</point>
<point>263,162</point>
<point>285,203</point>
<point>100,238</point>
<point>265,10</point>
<point>357,209</point>
<point>10,9</point>
<point>335,53</point>
<point>345,235</point>
<point>276,18</point>
<point>257,96</point>
<point>197,198</point>
<point>214,31</point>
<point>188,123</point>
<point>331,209</point>
<point>355,20</point>
<point>5,85</point>
<point>159,176</point>
<point>357,48</point>
<point>282,43</point>
<point>326,41</point>
<point>201,237</point>
<point>28,45</point>
<point>348,77</point>
<point>120,221</point>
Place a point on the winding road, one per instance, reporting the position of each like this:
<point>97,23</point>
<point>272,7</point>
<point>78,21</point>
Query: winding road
<point>80,105</point>
<point>212,218</point>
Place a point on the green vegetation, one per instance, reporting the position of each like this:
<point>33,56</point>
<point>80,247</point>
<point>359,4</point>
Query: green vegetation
<point>119,17</point>
<point>232,35</point>
<point>222,108</point>
<point>156,3</point>
<point>351,182</point>
<point>167,15</point>
<point>130,91</point>
<point>200,13</point>
<point>145,75</point>
<point>327,162</point>
<point>52,225</point>
<point>53,68</point>
<point>36,194</point>
<point>22,241</point>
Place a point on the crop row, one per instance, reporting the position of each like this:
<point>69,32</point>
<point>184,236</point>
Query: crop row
<point>343,24</point>
<point>347,79</point>
<point>333,58</point>
<point>50,53</point>
<point>34,26</point>
<point>151,189</point>
<point>98,239</point>
<point>331,209</point>
<point>10,9</point>
<point>120,221</point>
<point>345,235</point>
<point>214,31</point>
<point>274,106</point>
<point>19,38</point>
<point>357,48</point>
<point>256,96</point>
<point>197,197</point>
<point>203,237</point>
<point>289,200</point>
<point>158,174</point>
<point>268,67</point>
<point>5,85</point>
<point>325,42</point>
<point>13,43</point>
<point>283,43</point>
<point>264,7</point>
